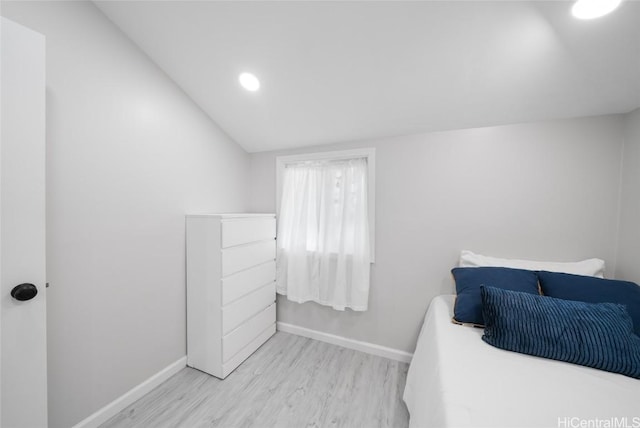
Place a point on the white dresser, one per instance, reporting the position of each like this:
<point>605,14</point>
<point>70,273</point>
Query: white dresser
<point>231,274</point>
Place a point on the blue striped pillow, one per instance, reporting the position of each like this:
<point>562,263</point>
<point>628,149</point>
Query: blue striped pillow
<point>598,335</point>
<point>593,290</point>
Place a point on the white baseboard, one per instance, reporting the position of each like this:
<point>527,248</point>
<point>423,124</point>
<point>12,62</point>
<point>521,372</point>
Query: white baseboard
<point>369,348</point>
<point>134,394</point>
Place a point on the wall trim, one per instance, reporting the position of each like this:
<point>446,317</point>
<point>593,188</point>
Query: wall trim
<point>129,397</point>
<point>369,348</point>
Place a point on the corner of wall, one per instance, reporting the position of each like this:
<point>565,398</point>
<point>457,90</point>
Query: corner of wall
<point>629,163</point>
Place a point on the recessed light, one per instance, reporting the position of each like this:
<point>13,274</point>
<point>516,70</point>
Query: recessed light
<point>589,9</point>
<point>249,82</point>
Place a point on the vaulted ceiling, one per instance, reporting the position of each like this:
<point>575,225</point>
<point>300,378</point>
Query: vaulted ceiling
<point>334,71</point>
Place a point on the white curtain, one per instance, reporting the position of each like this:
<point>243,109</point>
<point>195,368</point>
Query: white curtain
<point>323,234</point>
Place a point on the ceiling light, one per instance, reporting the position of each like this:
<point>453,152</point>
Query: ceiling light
<point>249,82</point>
<point>589,9</point>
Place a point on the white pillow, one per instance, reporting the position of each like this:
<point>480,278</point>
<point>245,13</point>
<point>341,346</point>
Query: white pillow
<point>590,267</point>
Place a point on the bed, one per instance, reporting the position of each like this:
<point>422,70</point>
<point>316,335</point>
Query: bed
<point>457,380</point>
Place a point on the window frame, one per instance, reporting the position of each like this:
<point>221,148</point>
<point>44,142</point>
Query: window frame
<point>367,153</point>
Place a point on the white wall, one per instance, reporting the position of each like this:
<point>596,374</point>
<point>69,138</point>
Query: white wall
<point>540,191</point>
<point>628,267</point>
<point>128,154</point>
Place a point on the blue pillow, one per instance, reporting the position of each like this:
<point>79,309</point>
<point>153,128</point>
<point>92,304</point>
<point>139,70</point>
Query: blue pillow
<point>593,290</point>
<point>598,335</point>
<point>468,306</point>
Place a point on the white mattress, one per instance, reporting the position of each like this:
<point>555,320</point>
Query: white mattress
<point>457,380</point>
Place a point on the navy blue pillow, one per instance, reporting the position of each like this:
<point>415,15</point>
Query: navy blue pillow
<point>593,290</point>
<point>468,306</point>
<point>598,335</point>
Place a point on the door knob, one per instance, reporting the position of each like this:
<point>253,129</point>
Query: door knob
<point>24,292</point>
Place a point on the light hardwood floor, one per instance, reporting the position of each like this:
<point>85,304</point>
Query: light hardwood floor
<point>291,381</point>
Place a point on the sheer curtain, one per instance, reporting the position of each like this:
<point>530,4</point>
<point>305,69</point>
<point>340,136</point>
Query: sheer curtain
<point>323,234</point>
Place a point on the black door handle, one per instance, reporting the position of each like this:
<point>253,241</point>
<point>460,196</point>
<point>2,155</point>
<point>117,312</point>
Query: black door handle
<point>24,292</point>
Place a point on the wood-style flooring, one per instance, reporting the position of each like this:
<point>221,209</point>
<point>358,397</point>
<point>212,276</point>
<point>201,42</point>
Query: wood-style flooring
<point>291,381</point>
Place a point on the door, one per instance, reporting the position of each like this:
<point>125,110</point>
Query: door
<point>23,367</point>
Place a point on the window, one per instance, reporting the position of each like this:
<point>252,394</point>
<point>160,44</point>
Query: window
<point>326,207</point>
<point>369,154</point>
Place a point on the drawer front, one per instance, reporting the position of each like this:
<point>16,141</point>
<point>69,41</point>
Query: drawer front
<point>241,336</point>
<point>241,283</point>
<point>243,231</point>
<point>235,259</point>
<point>249,349</point>
<point>243,309</point>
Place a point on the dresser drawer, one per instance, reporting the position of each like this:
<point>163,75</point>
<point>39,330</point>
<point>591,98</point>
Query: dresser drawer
<point>235,259</point>
<point>249,349</point>
<point>241,336</point>
<point>243,231</point>
<point>241,310</point>
<point>244,282</point>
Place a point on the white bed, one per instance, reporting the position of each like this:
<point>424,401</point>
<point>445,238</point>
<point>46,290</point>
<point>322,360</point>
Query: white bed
<point>457,380</point>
